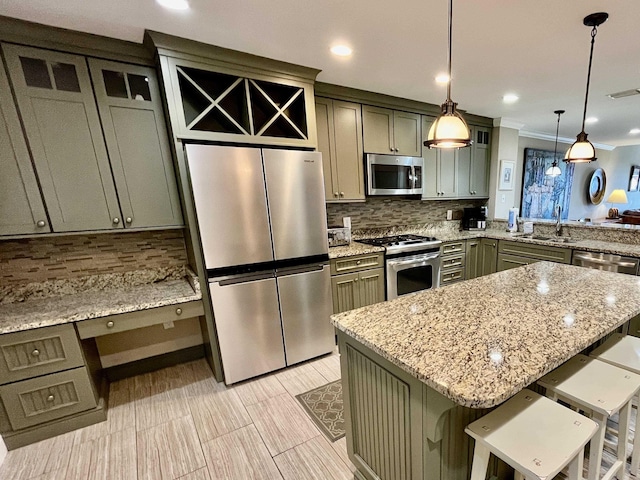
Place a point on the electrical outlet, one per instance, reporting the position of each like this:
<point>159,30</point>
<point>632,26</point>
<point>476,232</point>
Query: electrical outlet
<point>449,214</point>
<point>503,198</point>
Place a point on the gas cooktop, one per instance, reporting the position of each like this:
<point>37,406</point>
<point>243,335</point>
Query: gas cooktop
<point>403,243</point>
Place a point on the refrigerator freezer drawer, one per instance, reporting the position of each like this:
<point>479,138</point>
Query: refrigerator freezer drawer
<point>231,204</point>
<point>295,188</point>
<point>249,331</point>
<point>306,304</point>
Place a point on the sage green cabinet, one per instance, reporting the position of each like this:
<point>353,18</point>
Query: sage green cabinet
<point>515,254</point>
<point>488,256</point>
<point>59,113</point>
<point>474,164</point>
<point>340,142</point>
<point>473,255</point>
<point>440,175</point>
<point>21,207</point>
<point>453,261</point>
<point>357,281</point>
<point>391,132</point>
<point>134,128</point>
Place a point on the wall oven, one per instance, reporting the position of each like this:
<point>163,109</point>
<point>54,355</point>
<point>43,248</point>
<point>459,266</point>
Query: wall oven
<point>394,175</point>
<point>412,263</point>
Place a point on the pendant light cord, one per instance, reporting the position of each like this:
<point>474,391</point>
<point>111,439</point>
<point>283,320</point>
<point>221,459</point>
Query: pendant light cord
<point>594,31</point>
<point>450,48</point>
<point>555,148</point>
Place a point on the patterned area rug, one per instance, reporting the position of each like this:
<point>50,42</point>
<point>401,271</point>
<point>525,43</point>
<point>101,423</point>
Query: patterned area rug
<point>324,406</point>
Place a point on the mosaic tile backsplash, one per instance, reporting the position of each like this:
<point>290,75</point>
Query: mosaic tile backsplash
<point>396,212</point>
<point>55,258</point>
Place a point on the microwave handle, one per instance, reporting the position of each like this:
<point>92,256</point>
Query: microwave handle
<point>411,178</point>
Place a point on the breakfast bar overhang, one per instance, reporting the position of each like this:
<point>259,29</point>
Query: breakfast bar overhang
<point>418,369</point>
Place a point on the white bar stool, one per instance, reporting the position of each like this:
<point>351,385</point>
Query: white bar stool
<point>624,351</point>
<point>536,436</point>
<point>601,390</point>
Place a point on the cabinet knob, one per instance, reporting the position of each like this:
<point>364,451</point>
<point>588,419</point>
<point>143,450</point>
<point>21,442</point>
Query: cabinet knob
<point>358,262</point>
<point>129,220</point>
<point>342,194</point>
<point>41,223</point>
<point>335,194</point>
<point>116,220</point>
<point>110,324</point>
<point>355,279</point>
<point>178,311</point>
<point>36,352</point>
<point>391,148</point>
<point>50,398</point>
<point>397,150</point>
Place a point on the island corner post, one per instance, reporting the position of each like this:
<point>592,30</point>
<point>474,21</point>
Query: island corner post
<point>398,425</point>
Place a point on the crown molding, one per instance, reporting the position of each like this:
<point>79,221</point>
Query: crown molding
<point>552,138</point>
<point>507,123</point>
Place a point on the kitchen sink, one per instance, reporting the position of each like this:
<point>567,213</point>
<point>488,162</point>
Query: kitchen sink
<point>538,237</point>
<point>550,239</point>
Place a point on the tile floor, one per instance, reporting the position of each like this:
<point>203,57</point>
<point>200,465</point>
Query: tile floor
<point>179,423</point>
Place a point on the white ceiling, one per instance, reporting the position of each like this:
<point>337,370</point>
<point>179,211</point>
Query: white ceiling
<point>537,49</point>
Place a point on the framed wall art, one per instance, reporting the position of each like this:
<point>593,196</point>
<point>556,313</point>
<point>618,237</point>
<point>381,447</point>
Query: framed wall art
<point>541,193</point>
<point>507,172</point>
<point>634,178</point>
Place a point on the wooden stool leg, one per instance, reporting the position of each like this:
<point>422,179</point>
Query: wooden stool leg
<point>575,467</point>
<point>623,437</point>
<point>597,443</point>
<point>635,456</point>
<point>481,455</point>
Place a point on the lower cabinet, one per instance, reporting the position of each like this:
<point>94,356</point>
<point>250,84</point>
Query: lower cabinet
<point>363,285</point>
<point>516,254</point>
<point>453,261</point>
<point>488,256</point>
<point>472,259</point>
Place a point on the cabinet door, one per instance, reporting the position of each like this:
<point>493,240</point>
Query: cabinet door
<point>60,117</point>
<point>345,290</point>
<point>136,134</point>
<point>21,207</point>
<point>430,172</point>
<point>326,146</point>
<point>465,173</point>
<point>447,168</point>
<point>489,255</point>
<point>377,127</point>
<point>371,286</point>
<point>505,262</point>
<point>347,119</point>
<point>407,134</point>
<point>472,264</point>
<point>480,163</point>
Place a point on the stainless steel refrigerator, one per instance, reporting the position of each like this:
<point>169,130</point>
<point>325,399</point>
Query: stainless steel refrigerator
<point>262,220</point>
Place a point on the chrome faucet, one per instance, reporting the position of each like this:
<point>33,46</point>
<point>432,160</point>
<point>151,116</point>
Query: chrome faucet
<point>558,214</point>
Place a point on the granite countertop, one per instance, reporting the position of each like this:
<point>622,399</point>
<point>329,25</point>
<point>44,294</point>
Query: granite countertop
<point>481,341</point>
<point>63,301</point>
<point>354,248</point>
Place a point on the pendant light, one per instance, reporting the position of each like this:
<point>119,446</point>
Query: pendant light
<point>554,169</point>
<point>449,130</point>
<point>583,151</point>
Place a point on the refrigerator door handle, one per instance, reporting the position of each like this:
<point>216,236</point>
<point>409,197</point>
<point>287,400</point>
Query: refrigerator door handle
<point>300,269</point>
<point>223,282</point>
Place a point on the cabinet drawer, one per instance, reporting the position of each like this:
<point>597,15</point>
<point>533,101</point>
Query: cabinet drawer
<point>37,352</point>
<point>451,276</point>
<point>535,252</point>
<point>452,261</point>
<point>143,318</point>
<point>453,247</point>
<point>356,263</point>
<point>46,398</point>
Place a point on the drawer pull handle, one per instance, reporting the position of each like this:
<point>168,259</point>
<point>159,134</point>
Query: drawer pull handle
<point>178,311</point>
<point>110,324</point>
<point>50,398</point>
<point>36,352</point>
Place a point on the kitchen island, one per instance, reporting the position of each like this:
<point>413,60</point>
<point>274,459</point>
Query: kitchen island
<point>418,369</point>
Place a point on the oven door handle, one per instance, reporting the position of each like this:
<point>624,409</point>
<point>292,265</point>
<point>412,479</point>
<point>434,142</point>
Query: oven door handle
<point>427,259</point>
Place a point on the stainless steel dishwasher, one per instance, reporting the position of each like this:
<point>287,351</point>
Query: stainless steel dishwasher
<point>606,261</point>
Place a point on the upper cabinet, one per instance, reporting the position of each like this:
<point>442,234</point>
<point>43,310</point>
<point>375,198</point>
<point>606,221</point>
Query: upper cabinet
<point>133,123</point>
<point>70,128</point>
<point>473,179</point>
<point>221,95</point>
<point>21,207</point>
<point>340,142</point>
<point>391,132</point>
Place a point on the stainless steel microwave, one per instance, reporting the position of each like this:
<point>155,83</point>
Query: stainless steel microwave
<point>394,175</point>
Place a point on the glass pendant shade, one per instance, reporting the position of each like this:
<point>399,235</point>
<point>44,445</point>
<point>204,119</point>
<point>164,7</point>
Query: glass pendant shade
<point>582,151</point>
<point>553,171</point>
<point>449,130</point>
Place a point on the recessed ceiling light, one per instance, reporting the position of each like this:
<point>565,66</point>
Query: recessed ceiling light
<point>174,4</point>
<point>634,131</point>
<point>341,50</point>
<point>591,120</point>
<point>510,98</point>
<point>442,78</point>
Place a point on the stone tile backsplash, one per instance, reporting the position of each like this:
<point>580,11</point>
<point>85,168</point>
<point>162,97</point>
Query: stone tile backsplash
<point>396,212</point>
<point>55,258</point>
